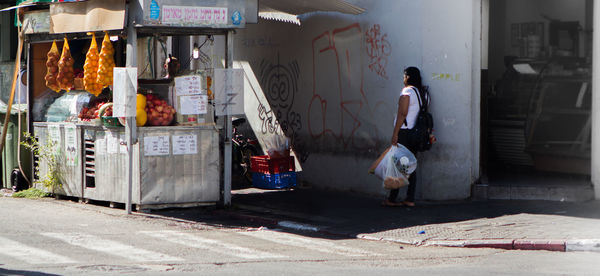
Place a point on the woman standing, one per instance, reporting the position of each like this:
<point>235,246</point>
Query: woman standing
<point>408,109</point>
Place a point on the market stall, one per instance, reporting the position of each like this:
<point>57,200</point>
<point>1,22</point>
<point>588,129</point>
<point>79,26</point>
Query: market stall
<point>174,149</point>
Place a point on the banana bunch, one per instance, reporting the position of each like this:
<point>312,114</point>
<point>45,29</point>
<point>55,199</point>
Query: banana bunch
<point>106,63</point>
<point>90,69</point>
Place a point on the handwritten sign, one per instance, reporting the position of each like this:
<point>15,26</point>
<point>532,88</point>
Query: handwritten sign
<point>156,145</point>
<point>124,91</point>
<point>229,91</point>
<point>190,105</point>
<point>193,15</point>
<point>185,144</point>
<point>188,85</point>
<point>54,134</point>
<point>112,142</point>
<point>71,145</point>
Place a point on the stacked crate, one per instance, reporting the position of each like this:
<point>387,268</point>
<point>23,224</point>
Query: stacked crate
<point>273,172</point>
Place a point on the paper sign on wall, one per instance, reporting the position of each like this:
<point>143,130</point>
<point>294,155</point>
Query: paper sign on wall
<point>185,144</point>
<point>71,145</point>
<point>229,91</point>
<point>193,104</point>
<point>156,145</point>
<point>188,85</point>
<point>124,91</point>
<point>112,142</point>
<point>54,134</point>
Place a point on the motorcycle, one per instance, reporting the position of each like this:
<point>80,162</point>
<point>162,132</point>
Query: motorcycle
<point>242,150</point>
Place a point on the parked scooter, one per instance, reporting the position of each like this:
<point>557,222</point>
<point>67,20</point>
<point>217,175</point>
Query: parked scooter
<point>243,148</point>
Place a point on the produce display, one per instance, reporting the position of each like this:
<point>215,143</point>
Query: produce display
<point>90,69</point>
<point>52,68</point>
<point>141,117</point>
<point>106,63</point>
<point>159,112</point>
<point>65,75</point>
<point>90,113</point>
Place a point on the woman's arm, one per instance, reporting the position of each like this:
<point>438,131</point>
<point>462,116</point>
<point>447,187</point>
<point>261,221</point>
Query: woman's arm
<point>400,116</point>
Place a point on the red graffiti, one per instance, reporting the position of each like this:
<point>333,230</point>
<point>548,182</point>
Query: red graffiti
<point>337,114</point>
<point>378,49</point>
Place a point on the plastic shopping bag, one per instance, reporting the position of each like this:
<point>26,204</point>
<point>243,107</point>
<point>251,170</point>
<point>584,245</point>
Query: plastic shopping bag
<point>396,166</point>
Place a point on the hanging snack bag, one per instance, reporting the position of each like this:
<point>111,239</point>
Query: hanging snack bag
<point>65,68</point>
<point>52,68</point>
<point>90,69</point>
<point>106,63</point>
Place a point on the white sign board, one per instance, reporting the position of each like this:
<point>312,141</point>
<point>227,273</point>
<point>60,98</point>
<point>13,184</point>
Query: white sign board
<point>54,134</point>
<point>112,142</point>
<point>190,105</point>
<point>156,145</point>
<point>71,145</point>
<point>185,144</point>
<point>188,85</point>
<point>124,90</point>
<point>229,91</point>
<point>193,15</point>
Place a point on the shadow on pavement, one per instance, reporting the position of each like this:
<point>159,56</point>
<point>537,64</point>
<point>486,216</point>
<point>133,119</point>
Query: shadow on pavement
<point>350,214</point>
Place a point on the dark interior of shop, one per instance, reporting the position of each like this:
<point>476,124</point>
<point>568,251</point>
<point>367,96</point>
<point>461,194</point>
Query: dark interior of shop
<point>536,95</point>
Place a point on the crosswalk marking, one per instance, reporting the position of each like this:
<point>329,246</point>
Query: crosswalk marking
<point>28,254</point>
<point>311,244</point>
<point>218,246</point>
<point>111,247</point>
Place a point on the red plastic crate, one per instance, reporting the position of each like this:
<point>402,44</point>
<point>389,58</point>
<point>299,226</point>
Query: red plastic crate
<point>265,164</point>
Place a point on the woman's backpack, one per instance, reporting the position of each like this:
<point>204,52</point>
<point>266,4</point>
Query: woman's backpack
<point>421,134</point>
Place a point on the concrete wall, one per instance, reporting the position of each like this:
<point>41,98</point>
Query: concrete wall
<point>332,86</point>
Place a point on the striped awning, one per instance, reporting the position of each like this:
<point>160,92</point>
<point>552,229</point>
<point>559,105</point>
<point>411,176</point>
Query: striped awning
<point>289,10</point>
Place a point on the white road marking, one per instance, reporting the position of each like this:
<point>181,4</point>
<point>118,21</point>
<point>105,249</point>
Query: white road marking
<point>217,246</point>
<point>111,247</point>
<point>29,254</point>
<point>311,244</point>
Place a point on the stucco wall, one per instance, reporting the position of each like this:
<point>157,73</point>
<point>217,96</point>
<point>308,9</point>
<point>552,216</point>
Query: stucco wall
<point>332,86</point>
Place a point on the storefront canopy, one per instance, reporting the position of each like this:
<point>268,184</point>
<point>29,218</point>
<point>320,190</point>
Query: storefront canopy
<point>289,10</point>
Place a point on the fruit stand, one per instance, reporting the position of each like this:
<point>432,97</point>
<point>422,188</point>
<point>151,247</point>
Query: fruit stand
<point>166,155</point>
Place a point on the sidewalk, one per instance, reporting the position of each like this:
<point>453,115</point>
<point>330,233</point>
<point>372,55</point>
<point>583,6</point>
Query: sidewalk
<point>546,225</point>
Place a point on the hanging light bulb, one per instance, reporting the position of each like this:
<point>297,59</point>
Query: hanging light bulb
<point>196,51</point>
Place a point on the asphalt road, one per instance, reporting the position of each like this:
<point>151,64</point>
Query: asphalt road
<point>57,237</point>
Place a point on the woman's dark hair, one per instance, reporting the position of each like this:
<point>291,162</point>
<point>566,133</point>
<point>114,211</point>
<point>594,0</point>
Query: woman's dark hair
<point>414,77</point>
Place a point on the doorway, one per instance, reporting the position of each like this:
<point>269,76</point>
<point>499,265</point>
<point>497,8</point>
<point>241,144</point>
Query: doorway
<point>536,100</point>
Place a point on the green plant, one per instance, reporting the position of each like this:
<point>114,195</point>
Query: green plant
<point>46,152</point>
<point>31,193</point>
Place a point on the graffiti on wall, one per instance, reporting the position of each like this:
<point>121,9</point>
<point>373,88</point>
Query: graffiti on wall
<point>378,50</point>
<point>338,95</point>
<point>280,85</point>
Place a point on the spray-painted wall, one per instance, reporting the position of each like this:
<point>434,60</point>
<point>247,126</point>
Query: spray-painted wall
<point>332,86</point>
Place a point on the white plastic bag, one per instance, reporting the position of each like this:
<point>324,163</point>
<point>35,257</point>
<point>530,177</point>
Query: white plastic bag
<point>396,166</point>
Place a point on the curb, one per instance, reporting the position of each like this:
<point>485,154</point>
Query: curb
<point>558,245</point>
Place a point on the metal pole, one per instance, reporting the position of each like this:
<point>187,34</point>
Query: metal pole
<point>227,129</point>
<point>131,61</point>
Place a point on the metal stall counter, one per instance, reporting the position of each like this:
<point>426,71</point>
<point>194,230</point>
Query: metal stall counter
<point>172,166</point>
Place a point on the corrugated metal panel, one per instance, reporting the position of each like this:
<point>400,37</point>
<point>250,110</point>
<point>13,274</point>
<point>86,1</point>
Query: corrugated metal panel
<point>300,7</point>
<point>70,176</point>
<point>157,180</point>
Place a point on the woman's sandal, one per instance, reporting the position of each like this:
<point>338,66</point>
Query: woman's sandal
<point>408,203</point>
<point>387,203</point>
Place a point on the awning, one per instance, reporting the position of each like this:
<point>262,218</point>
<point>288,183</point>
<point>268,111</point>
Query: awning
<point>289,10</point>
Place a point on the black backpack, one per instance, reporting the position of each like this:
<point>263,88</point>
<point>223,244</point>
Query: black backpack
<point>422,131</point>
